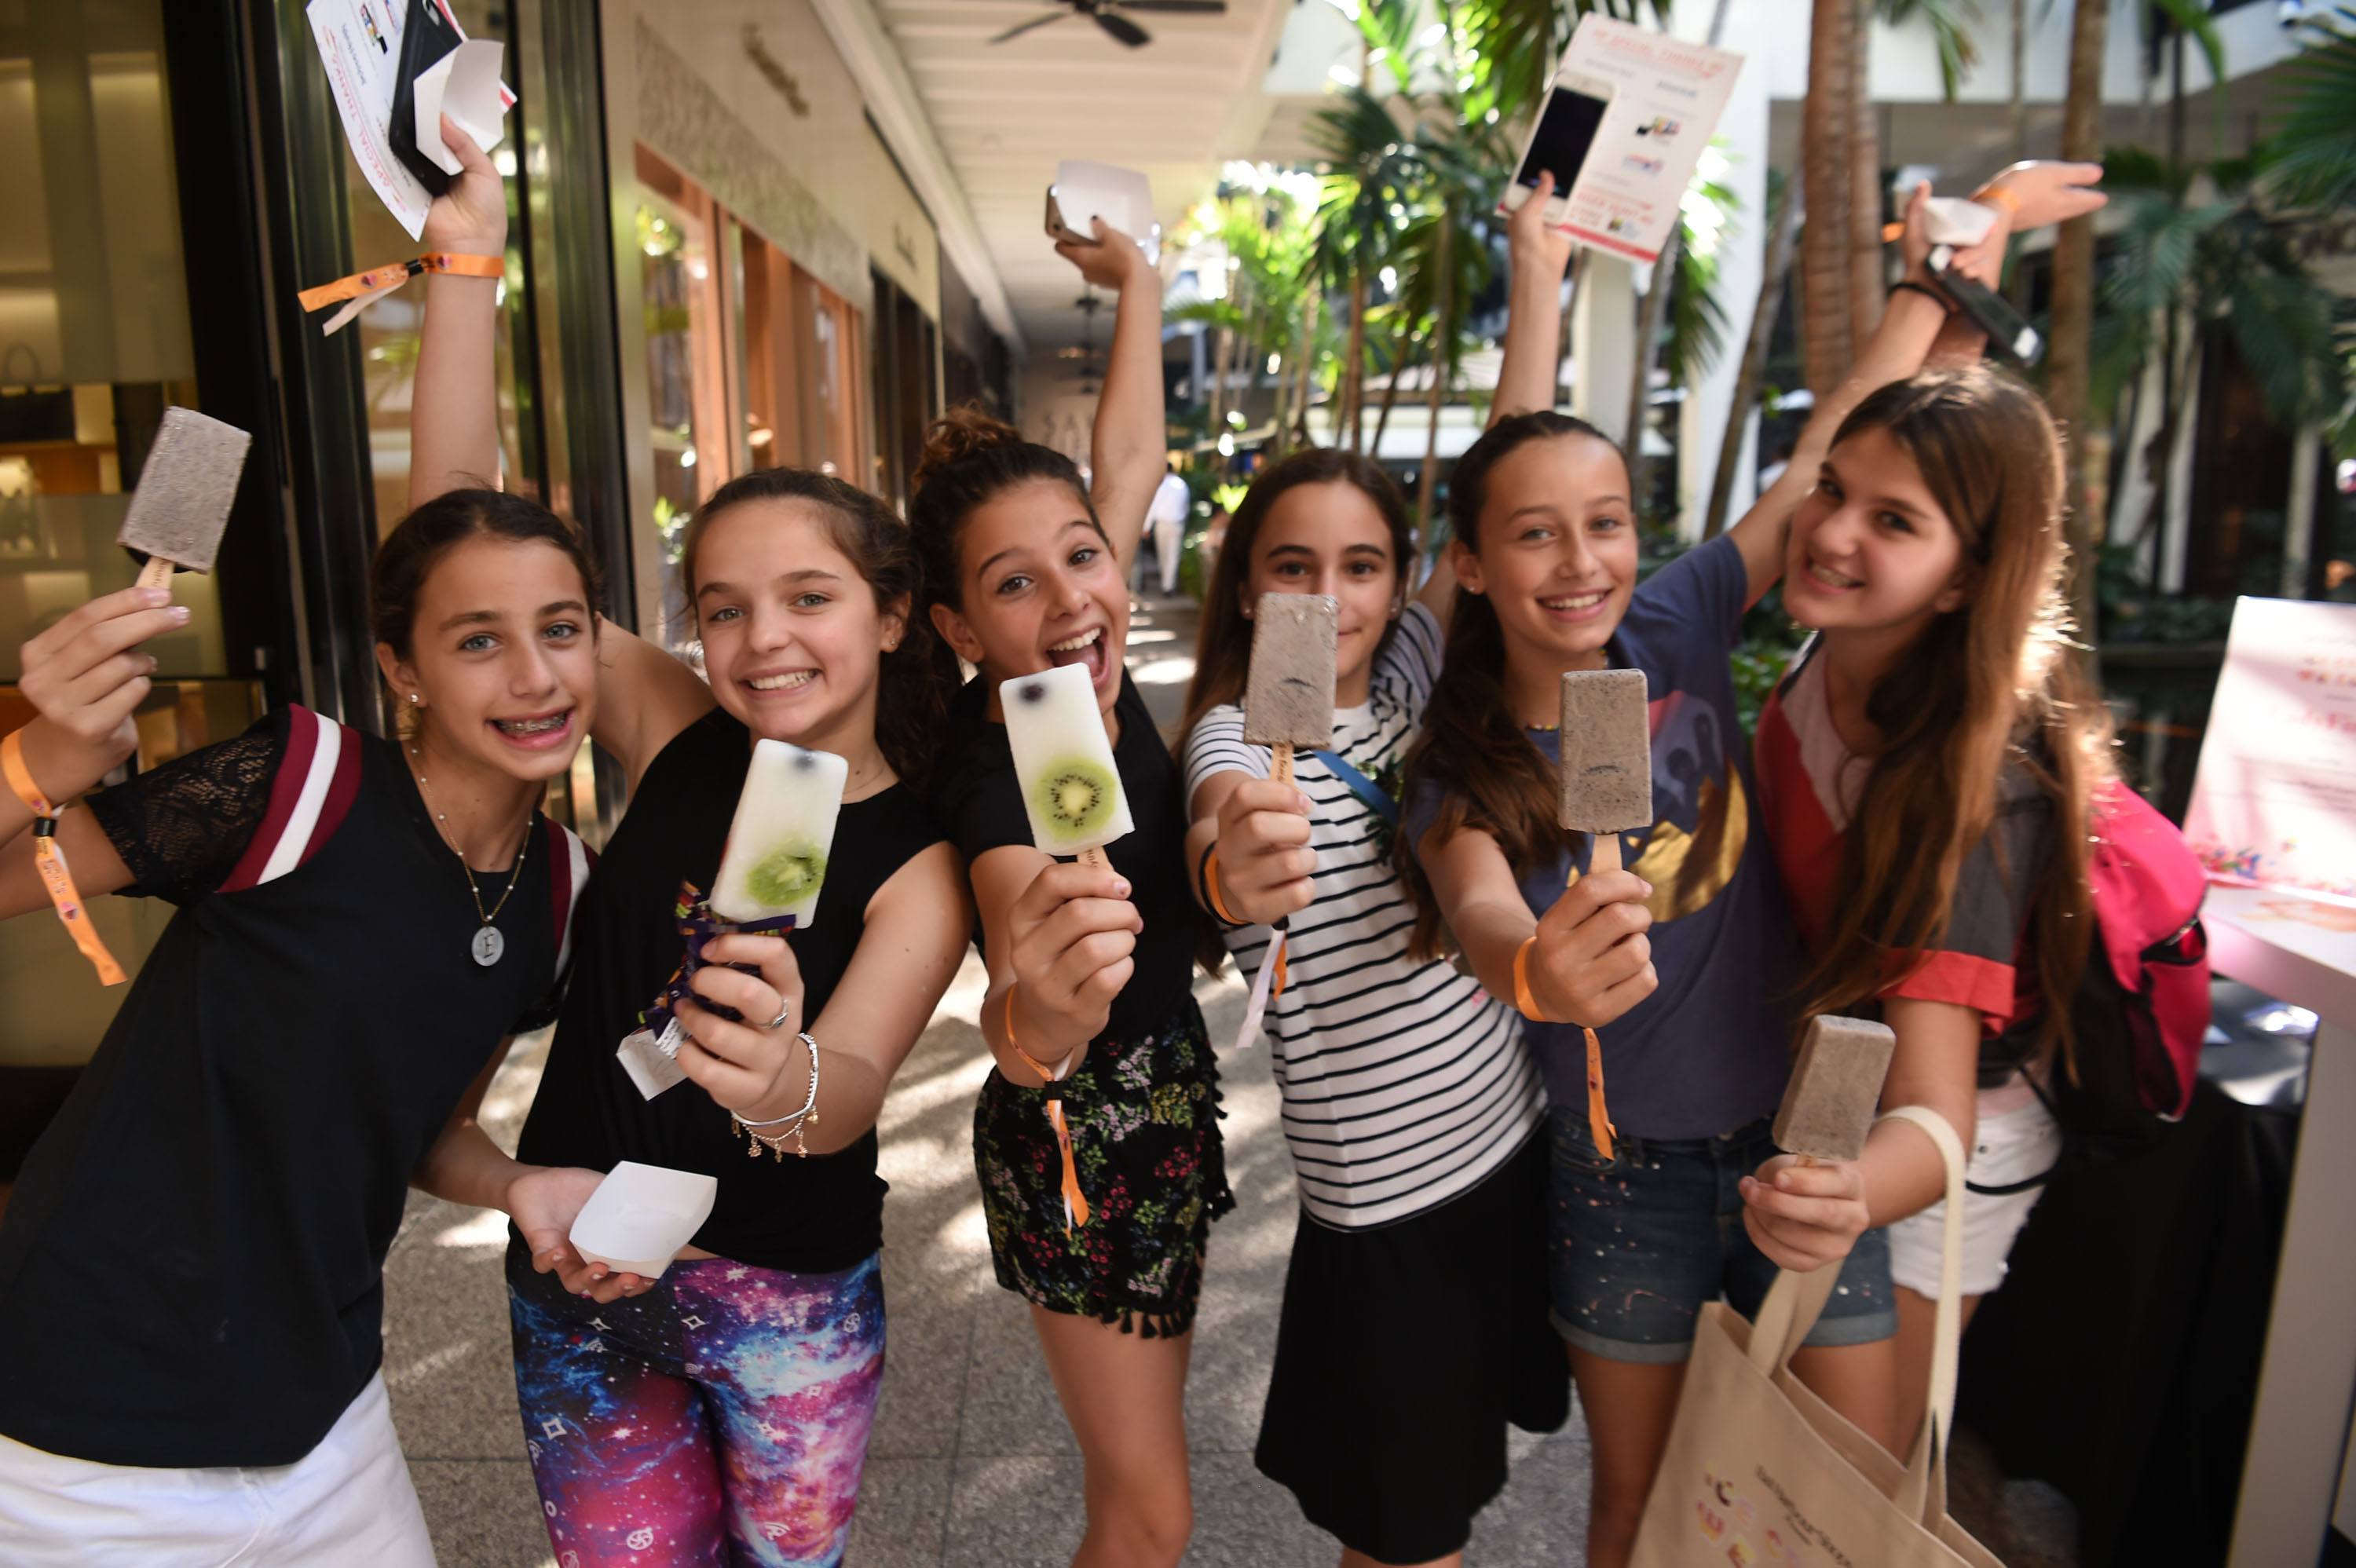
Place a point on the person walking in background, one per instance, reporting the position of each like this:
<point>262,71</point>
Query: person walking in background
<point>1167,514</point>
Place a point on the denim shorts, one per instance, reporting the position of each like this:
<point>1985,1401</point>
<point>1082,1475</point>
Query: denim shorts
<point>1642,1240</point>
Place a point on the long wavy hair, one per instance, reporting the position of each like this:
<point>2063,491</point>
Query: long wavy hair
<point>909,702</point>
<point>1989,684</point>
<point>1489,775</point>
<point>1222,639</point>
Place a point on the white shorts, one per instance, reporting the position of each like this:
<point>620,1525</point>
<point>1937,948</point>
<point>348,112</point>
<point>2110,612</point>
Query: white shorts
<point>2015,1138</point>
<point>348,1501</point>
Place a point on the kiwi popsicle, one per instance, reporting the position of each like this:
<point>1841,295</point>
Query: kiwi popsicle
<point>1607,758</point>
<point>1064,763</point>
<point>774,863</point>
<point>1289,700</point>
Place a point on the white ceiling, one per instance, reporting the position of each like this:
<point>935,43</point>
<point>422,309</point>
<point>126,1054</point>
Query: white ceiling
<point>1004,114</point>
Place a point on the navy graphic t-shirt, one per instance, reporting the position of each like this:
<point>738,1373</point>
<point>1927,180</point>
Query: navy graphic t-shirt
<point>1711,1050</point>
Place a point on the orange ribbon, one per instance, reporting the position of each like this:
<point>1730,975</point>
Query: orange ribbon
<point>49,859</point>
<point>363,289</point>
<point>1075,1202</point>
<point>1599,1120</point>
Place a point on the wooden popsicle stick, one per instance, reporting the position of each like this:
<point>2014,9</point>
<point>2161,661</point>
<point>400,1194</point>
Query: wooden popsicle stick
<point>157,573</point>
<point>1606,854</point>
<point>1095,856</point>
<point>1280,763</point>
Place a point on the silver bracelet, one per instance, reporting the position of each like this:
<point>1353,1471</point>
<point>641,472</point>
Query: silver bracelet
<point>808,1104</point>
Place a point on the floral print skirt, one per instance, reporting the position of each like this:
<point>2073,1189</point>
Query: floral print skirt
<point>1144,1122</point>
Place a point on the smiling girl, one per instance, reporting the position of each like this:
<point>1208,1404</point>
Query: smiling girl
<point>1090,988</point>
<point>1688,954</point>
<point>721,1413</point>
<point>1410,1102</point>
<point>197,1243</point>
<point>1918,764</point>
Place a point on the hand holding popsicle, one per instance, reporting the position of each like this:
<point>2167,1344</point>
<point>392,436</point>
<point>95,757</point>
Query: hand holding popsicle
<point>1263,860</point>
<point>1806,1216</point>
<point>1073,931</point>
<point>1591,961</point>
<point>85,675</point>
<point>746,1067</point>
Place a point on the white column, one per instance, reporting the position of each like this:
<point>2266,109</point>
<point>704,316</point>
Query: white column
<point>1603,343</point>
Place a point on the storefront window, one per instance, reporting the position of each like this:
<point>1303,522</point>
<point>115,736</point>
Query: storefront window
<point>687,364</point>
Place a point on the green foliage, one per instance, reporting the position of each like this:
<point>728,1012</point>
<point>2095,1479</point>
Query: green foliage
<point>1951,23</point>
<point>2313,161</point>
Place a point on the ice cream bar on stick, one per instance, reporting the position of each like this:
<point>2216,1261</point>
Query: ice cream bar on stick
<point>185,487</point>
<point>774,863</point>
<point>1607,790</point>
<point>1063,760</point>
<point>1836,1088</point>
<point>1288,701</point>
<point>1607,758</point>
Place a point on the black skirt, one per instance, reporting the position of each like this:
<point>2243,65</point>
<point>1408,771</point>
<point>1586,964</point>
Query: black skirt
<point>1402,1353</point>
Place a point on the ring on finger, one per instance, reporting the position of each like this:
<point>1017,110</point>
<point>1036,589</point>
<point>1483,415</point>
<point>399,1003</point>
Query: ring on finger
<point>785,1011</point>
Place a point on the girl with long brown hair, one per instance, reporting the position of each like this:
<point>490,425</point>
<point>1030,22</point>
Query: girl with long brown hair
<point>1688,953</point>
<point>1096,1136</point>
<point>1930,769</point>
<point>746,1376</point>
<point>1411,1104</point>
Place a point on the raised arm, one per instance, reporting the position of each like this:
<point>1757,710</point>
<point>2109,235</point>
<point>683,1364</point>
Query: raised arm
<point>1129,446</point>
<point>1917,328</point>
<point>454,418</point>
<point>1538,252</point>
<point>1592,962</point>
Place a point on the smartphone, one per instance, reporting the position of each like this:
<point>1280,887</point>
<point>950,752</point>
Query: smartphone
<point>2008,334</point>
<point>1559,142</point>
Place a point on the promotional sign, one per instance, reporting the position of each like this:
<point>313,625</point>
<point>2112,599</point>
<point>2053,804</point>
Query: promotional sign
<point>360,44</point>
<point>1661,100</point>
<point>2274,803</point>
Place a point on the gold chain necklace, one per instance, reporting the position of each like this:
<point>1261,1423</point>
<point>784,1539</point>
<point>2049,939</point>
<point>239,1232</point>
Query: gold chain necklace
<point>487,943</point>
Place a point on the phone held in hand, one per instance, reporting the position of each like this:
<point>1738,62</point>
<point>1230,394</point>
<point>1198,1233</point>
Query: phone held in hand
<point>1083,192</point>
<point>1560,141</point>
<point>2010,336</point>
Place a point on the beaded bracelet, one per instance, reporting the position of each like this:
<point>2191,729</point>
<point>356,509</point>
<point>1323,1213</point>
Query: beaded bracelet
<point>801,1120</point>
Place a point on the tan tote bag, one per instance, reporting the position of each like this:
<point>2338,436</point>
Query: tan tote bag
<point>1761,1473</point>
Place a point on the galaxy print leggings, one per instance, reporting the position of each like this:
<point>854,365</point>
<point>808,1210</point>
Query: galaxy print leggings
<point>721,1419</point>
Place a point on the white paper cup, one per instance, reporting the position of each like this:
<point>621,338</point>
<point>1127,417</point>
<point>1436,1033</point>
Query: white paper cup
<point>640,1216</point>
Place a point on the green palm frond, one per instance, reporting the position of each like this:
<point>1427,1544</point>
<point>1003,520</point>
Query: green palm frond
<point>2313,161</point>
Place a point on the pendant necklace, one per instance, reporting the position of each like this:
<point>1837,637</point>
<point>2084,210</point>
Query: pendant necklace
<point>487,943</point>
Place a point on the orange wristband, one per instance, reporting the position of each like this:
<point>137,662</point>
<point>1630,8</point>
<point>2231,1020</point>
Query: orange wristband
<point>363,289</point>
<point>1075,1202</point>
<point>1211,887</point>
<point>1523,1001</point>
<point>50,861</point>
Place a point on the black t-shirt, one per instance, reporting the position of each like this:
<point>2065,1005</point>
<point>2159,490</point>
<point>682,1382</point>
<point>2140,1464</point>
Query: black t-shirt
<point>979,803</point>
<point>191,1268</point>
<point>807,1214</point>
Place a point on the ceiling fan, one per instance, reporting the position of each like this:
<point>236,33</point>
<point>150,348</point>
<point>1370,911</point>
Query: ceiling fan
<point>1107,14</point>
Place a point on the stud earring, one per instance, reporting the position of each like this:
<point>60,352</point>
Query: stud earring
<point>413,696</point>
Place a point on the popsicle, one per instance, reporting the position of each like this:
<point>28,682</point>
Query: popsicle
<point>181,506</point>
<point>1836,1088</point>
<point>1607,758</point>
<point>1071,787</point>
<point>1288,701</point>
<point>774,863</point>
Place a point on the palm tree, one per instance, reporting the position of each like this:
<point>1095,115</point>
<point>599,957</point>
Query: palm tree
<point>1827,154</point>
<point>2069,359</point>
<point>1784,194</point>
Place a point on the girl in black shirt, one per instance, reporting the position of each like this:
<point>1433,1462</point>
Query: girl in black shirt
<point>720,1412</point>
<point>191,1270</point>
<point>1103,1231</point>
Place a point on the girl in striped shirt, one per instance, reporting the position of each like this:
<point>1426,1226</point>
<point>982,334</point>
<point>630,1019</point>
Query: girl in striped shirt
<point>1411,1104</point>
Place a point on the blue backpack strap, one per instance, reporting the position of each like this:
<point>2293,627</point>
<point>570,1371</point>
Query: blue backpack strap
<point>1362,787</point>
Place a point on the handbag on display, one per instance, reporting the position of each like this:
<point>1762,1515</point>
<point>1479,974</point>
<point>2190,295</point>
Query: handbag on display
<point>1761,1472</point>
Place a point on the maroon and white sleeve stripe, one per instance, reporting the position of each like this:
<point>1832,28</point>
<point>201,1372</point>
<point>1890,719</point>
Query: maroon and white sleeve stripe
<point>313,791</point>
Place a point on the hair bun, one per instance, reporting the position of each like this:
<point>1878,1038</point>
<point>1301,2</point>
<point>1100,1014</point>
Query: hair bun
<point>964,432</point>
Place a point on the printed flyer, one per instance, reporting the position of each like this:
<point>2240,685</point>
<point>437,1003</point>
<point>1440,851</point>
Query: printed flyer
<point>360,43</point>
<point>1667,98</point>
<point>2273,802</point>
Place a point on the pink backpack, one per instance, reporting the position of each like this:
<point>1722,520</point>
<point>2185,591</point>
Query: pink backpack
<point>2142,1010</point>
